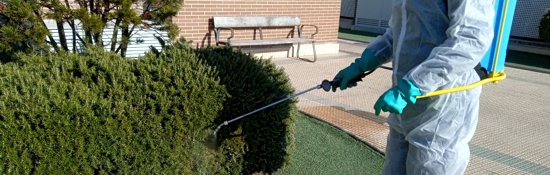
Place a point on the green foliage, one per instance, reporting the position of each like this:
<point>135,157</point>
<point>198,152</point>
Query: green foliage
<point>544,28</point>
<point>97,112</point>
<point>161,13</point>
<point>19,30</point>
<point>100,113</point>
<point>263,141</point>
<point>126,15</point>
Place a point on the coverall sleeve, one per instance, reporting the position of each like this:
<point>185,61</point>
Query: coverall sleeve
<point>469,36</point>
<point>382,46</point>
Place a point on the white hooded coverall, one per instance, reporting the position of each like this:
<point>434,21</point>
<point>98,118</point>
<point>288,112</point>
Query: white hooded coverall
<point>435,44</point>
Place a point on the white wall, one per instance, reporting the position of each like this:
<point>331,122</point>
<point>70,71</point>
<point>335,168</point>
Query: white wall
<point>140,41</point>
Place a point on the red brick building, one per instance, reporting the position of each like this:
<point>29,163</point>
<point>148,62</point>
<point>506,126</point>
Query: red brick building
<point>195,21</point>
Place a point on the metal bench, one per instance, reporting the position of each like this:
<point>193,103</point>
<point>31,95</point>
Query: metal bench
<point>261,22</point>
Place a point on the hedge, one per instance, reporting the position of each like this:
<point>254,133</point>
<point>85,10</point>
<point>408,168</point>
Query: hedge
<point>100,113</point>
<point>262,142</point>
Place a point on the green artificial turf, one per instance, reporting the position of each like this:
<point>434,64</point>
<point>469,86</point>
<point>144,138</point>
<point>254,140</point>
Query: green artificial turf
<point>529,61</point>
<point>324,149</point>
<point>355,35</point>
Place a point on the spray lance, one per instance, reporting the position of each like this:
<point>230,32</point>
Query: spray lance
<point>326,85</point>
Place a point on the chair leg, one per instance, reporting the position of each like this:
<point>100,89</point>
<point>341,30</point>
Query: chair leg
<point>314,52</point>
<point>298,51</point>
<point>291,50</point>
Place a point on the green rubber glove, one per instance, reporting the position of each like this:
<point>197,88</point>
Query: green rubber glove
<point>397,98</point>
<point>365,63</point>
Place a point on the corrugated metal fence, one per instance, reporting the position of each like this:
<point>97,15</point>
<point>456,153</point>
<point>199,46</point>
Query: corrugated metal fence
<point>347,8</point>
<point>527,17</point>
<point>140,41</point>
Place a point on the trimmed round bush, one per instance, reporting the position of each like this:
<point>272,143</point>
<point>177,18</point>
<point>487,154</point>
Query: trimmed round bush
<point>262,142</point>
<point>544,28</point>
<point>100,113</point>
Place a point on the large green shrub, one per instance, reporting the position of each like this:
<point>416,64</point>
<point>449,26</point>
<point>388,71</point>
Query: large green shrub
<point>101,113</point>
<point>261,142</point>
<point>544,28</point>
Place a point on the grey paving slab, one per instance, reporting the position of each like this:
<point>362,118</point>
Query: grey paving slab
<point>513,133</point>
<point>514,123</point>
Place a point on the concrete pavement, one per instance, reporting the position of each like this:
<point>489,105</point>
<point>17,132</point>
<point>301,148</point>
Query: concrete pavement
<point>512,137</point>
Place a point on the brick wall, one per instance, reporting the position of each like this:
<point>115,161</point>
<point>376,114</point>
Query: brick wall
<point>195,23</point>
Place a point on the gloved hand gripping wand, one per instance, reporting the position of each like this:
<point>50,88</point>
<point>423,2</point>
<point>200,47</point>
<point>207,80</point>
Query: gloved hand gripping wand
<point>325,85</point>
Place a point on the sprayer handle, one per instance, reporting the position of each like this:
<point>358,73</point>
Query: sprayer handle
<point>327,85</point>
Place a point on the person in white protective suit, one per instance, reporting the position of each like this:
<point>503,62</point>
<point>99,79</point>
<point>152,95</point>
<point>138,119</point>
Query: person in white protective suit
<point>434,44</point>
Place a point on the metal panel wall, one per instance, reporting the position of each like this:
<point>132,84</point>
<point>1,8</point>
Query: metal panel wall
<point>347,9</point>
<point>373,15</point>
<point>527,17</point>
<point>140,41</point>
